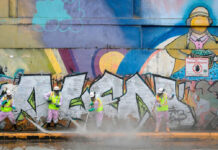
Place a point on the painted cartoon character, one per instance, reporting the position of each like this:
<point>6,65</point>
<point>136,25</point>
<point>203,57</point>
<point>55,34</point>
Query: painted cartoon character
<point>198,42</point>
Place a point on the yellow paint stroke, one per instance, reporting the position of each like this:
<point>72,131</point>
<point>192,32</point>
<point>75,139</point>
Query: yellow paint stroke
<point>53,60</point>
<point>110,61</point>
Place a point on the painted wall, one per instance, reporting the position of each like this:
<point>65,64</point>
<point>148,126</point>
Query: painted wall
<point>124,50</point>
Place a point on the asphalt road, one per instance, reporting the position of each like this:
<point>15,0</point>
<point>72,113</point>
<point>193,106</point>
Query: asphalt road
<point>111,144</point>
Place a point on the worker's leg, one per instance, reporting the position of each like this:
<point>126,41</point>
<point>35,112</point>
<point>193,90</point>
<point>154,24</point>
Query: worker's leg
<point>3,115</point>
<point>158,121</point>
<point>99,118</point>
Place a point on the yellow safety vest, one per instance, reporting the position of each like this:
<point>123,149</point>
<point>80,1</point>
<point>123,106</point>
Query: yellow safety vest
<point>163,102</point>
<point>100,105</point>
<point>55,100</point>
<point>8,106</point>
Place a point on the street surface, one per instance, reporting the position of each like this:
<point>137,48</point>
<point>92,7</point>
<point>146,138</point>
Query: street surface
<point>129,143</point>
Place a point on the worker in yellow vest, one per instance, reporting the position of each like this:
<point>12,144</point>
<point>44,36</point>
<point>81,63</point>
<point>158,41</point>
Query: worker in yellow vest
<point>97,106</point>
<point>54,100</point>
<point>161,106</point>
<point>7,105</point>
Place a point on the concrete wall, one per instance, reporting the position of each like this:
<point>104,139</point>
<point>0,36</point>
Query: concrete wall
<point>124,50</point>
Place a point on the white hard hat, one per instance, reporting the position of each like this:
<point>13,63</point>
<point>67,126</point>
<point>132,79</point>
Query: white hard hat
<point>8,92</point>
<point>56,88</point>
<point>160,90</point>
<point>92,94</point>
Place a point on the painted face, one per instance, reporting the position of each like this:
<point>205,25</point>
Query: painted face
<point>199,24</point>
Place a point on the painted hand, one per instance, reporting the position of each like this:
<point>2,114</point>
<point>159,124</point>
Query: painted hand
<point>13,107</point>
<point>57,106</point>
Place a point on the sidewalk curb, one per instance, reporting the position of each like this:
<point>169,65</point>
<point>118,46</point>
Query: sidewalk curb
<point>70,135</point>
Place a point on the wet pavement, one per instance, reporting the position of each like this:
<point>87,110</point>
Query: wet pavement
<point>110,144</point>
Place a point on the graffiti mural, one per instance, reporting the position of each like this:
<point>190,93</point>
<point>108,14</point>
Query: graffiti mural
<point>28,96</point>
<point>133,94</point>
<point>124,54</point>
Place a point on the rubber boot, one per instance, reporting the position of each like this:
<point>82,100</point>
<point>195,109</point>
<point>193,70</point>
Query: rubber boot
<point>55,125</point>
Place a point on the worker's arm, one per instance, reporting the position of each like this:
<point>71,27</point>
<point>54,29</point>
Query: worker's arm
<point>170,96</point>
<point>91,104</point>
<point>47,95</point>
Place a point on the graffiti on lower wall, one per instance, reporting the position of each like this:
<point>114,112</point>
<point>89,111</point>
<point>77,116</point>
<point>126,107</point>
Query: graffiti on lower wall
<point>115,75</point>
<point>133,97</point>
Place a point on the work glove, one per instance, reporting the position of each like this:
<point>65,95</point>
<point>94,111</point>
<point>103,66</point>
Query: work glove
<point>49,101</point>
<point>91,104</point>
<point>4,102</point>
<point>13,107</point>
<point>91,109</point>
<point>57,105</point>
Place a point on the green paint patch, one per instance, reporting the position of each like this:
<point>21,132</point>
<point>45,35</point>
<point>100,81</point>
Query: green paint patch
<point>22,115</point>
<point>115,105</point>
<point>142,107</point>
<point>77,102</point>
<point>109,92</point>
<point>31,100</point>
